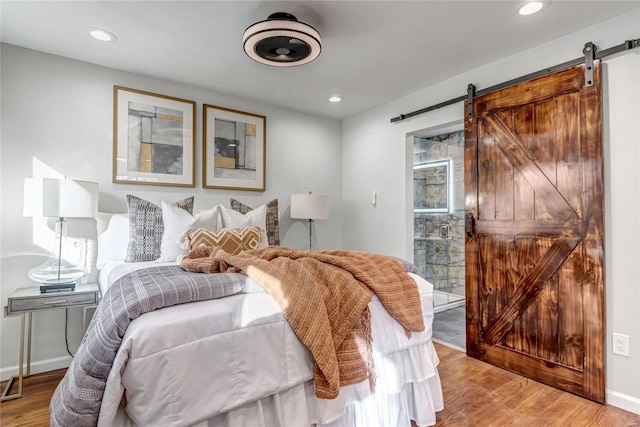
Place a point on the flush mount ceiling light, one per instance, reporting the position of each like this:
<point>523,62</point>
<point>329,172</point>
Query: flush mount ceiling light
<point>530,7</point>
<point>102,35</point>
<point>335,98</point>
<point>282,41</point>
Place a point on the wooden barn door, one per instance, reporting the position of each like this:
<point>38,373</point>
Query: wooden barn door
<point>534,250</point>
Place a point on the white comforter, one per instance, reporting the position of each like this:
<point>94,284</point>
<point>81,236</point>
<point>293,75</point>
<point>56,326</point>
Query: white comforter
<point>186,364</point>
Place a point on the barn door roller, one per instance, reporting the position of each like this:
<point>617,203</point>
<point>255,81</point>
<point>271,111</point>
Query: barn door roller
<point>589,55</point>
<point>471,92</point>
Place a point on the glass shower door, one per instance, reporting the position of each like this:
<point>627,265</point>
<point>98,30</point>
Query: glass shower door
<point>438,178</point>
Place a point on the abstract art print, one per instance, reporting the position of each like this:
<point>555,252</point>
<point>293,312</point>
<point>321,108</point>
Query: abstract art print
<point>234,145</point>
<point>153,139</point>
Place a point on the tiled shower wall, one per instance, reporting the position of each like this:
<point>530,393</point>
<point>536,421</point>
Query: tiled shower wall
<point>441,260</point>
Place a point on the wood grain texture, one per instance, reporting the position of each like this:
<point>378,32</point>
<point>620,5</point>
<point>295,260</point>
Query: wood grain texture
<point>570,317</point>
<point>526,326</point>
<point>571,80</point>
<point>490,270</point>
<point>478,394</point>
<point>528,289</point>
<point>593,292</point>
<point>530,228</point>
<point>472,309</point>
<point>538,250</point>
<point>544,148</point>
<point>561,377</point>
<point>522,337</point>
<point>568,146</point>
<point>32,409</point>
<point>543,184</point>
<point>524,196</point>
<point>487,154</point>
<point>475,394</point>
<point>504,176</point>
<point>547,299</point>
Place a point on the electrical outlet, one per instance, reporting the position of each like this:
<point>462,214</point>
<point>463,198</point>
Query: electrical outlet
<point>621,344</point>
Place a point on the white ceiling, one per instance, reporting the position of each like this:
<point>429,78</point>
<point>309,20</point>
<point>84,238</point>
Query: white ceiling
<point>372,51</point>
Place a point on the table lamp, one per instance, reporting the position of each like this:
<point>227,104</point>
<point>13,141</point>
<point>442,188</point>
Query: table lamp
<point>62,199</point>
<point>310,207</point>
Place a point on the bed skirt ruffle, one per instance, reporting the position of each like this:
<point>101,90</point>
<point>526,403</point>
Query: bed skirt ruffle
<point>407,388</point>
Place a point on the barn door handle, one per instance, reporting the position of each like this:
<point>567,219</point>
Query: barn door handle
<point>468,225</point>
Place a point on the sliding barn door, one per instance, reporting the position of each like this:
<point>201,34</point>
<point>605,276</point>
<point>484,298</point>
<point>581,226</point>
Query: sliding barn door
<point>534,249</point>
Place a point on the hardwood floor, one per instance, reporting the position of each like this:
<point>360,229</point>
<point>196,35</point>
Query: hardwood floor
<point>479,394</point>
<point>32,409</point>
<point>475,394</point>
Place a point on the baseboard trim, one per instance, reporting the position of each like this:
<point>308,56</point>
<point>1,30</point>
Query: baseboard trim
<point>37,367</point>
<point>623,401</point>
<point>446,344</point>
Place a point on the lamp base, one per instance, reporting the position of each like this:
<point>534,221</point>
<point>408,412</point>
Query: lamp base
<point>56,272</point>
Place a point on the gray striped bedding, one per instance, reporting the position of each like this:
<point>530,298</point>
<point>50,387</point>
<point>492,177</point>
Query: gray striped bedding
<point>77,399</point>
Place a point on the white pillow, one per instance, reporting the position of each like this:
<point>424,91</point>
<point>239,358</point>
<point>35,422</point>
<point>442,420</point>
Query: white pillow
<point>257,216</point>
<point>177,221</point>
<point>114,241</point>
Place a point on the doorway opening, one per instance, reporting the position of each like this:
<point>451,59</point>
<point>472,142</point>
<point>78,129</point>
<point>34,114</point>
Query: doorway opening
<point>438,215</point>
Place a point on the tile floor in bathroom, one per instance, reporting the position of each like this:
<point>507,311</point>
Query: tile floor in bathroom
<point>449,327</point>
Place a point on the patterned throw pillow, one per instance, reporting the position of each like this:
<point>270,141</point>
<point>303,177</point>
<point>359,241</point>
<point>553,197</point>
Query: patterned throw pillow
<point>231,240</point>
<point>146,228</point>
<point>253,218</point>
<point>273,220</point>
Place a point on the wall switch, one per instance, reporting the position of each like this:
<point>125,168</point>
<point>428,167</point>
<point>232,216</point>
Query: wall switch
<point>621,344</point>
<point>374,199</point>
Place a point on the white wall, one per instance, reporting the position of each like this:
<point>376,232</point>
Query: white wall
<point>60,111</point>
<point>376,158</point>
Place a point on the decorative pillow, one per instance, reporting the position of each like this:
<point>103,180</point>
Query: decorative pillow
<point>256,217</point>
<point>146,228</point>
<point>409,267</point>
<point>176,221</point>
<point>272,220</point>
<point>231,240</point>
<point>114,240</point>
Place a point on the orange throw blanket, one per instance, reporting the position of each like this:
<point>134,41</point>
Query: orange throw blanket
<point>324,296</point>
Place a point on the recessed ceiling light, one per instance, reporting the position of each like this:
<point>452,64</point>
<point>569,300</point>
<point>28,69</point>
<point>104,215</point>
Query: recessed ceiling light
<point>530,7</point>
<point>335,98</point>
<point>102,35</point>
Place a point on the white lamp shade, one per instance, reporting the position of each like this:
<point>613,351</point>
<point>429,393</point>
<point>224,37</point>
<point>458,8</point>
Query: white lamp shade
<point>309,206</point>
<point>65,198</point>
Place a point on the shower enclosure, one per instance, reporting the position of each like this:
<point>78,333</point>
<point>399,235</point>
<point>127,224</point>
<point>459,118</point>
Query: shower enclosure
<point>438,178</point>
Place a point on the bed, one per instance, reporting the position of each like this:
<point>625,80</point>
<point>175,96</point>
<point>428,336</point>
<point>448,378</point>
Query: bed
<point>250,324</point>
<point>235,361</point>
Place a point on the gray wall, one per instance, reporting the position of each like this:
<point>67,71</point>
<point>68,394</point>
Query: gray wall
<point>59,112</point>
<point>386,149</point>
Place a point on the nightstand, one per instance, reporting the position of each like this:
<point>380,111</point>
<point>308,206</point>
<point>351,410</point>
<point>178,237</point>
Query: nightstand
<point>24,301</point>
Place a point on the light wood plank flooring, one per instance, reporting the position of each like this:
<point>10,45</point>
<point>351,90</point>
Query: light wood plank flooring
<point>475,394</point>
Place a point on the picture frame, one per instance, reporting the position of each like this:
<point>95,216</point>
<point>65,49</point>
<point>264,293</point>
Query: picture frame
<point>234,149</point>
<point>153,138</point>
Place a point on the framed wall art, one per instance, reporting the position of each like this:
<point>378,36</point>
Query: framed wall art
<point>234,146</point>
<point>153,138</point>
